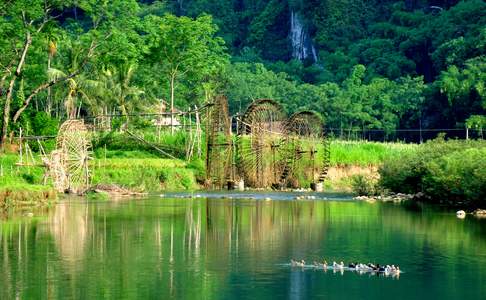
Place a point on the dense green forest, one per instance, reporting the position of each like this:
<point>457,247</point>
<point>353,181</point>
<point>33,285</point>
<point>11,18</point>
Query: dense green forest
<point>362,64</point>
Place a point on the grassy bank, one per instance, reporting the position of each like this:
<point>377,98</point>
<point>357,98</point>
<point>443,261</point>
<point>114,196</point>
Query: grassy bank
<point>22,186</point>
<point>360,159</point>
<point>142,172</point>
<point>136,170</point>
<point>138,167</point>
<point>452,172</point>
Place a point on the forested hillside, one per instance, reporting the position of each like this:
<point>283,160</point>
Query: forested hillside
<point>362,64</point>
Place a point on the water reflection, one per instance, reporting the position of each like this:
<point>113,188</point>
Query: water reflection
<point>232,248</point>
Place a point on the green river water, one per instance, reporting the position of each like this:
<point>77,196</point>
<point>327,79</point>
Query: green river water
<point>212,247</point>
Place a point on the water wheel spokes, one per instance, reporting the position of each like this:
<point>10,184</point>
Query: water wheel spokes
<point>313,147</point>
<point>219,156</point>
<point>73,155</point>
<point>260,135</point>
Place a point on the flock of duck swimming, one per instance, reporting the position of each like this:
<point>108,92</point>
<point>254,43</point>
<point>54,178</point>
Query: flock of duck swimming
<point>358,267</point>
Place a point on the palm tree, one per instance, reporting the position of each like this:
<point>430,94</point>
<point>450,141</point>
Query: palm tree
<point>80,90</point>
<point>117,84</point>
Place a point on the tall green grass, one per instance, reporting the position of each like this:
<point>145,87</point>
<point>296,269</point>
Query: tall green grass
<point>363,153</point>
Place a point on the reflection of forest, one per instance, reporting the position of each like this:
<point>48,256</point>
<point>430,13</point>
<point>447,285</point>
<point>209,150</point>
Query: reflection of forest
<point>153,248</point>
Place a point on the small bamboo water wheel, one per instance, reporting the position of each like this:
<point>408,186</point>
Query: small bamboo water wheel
<point>69,163</point>
<point>263,156</point>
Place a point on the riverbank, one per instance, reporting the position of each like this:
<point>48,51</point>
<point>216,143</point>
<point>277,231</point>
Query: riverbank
<point>360,159</point>
<point>450,173</point>
<point>24,185</point>
<point>143,171</point>
<point>147,174</point>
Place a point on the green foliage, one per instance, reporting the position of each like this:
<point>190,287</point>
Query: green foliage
<point>199,167</point>
<point>22,185</point>
<point>461,85</point>
<point>476,122</point>
<point>98,196</point>
<point>380,104</point>
<point>185,49</point>
<point>459,177</point>
<point>43,124</point>
<point>363,185</point>
<point>437,170</point>
<point>381,64</point>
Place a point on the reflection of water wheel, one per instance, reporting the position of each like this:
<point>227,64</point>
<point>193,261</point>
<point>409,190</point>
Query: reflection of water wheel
<point>313,148</point>
<point>219,144</point>
<point>72,156</point>
<point>262,144</point>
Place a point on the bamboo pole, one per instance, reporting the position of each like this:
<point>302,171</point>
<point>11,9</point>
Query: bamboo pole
<point>20,149</point>
<point>198,132</point>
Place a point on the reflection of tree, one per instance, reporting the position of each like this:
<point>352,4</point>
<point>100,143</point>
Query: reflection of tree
<point>68,224</point>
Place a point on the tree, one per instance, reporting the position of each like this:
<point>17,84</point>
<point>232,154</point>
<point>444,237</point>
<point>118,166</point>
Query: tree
<point>185,47</point>
<point>26,25</point>
<point>21,22</point>
<point>119,90</point>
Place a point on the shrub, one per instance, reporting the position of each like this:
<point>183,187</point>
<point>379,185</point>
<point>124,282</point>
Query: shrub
<point>43,124</point>
<point>363,185</point>
<point>443,170</point>
<point>459,177</point>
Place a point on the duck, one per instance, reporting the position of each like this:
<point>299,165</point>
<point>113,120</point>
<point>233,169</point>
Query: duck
<point>324,264</point>
<point>337,266</point>
<point>352,265</point>
<point>296,263</point>
<point>396,273</point>
<point>301,263</point>
<point>461,214</point>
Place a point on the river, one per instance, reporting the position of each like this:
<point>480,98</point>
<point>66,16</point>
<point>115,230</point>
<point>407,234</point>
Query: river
<point>220,246</point>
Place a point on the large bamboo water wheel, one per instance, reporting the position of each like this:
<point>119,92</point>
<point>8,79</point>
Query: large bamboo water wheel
<point>263,148</point>
<point>69,163</point>
<point>219,158</point>
<point>312,147</point>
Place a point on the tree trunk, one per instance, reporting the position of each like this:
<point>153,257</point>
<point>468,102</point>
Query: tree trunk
<point>49,95</point>
<point>8,96</point>
<point>172,87</point>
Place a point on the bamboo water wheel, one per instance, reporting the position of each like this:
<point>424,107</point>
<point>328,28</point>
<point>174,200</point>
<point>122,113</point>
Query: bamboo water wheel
<point>263,148</point>
<point>312,147</point>
<point>69,163</point>
<point>219,158</point>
